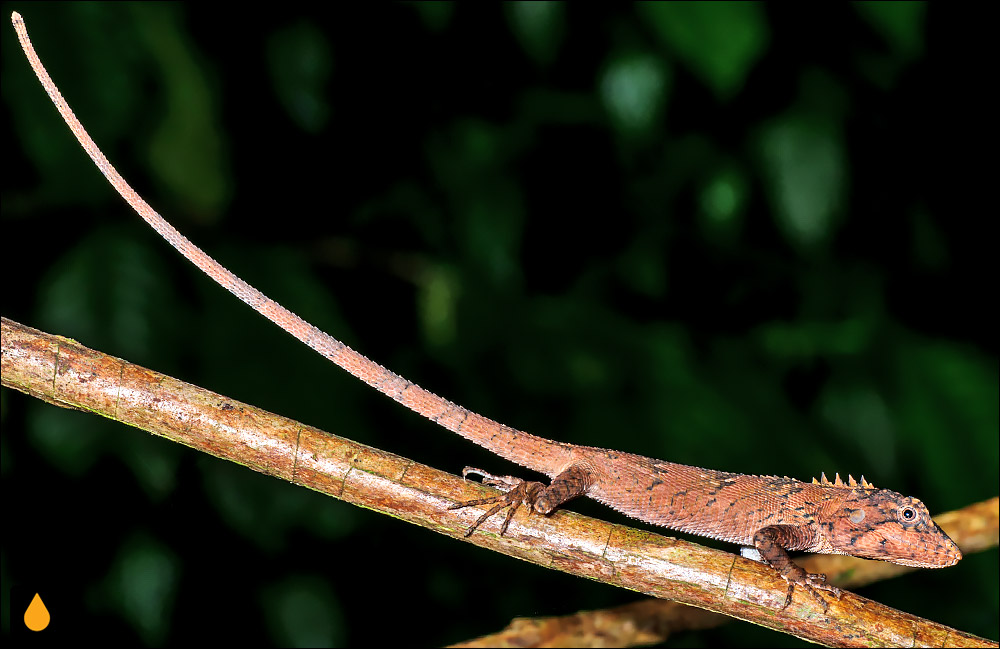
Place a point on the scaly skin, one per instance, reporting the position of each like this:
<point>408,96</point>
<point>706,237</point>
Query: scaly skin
<point>773,515</point>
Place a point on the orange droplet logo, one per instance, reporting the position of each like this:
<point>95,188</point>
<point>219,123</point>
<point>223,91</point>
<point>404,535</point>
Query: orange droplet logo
<point>36,617</point>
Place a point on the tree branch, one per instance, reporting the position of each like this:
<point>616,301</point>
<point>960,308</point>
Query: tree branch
<point>65,373</point>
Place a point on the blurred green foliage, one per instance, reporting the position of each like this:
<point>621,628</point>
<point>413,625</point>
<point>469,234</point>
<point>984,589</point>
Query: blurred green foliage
<point>744,236</point>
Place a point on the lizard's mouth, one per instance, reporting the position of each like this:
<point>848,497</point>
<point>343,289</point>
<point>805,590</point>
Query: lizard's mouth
<point>940,559</point>
<point>943,553</point>
<point>926,547</point>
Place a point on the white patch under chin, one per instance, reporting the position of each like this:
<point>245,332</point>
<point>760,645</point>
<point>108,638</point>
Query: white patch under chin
<point>752,554</point>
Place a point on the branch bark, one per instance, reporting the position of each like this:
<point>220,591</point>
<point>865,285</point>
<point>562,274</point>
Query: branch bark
<point>65,373</point>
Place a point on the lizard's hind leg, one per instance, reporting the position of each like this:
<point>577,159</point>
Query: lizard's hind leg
<point>569,484</point>
<point>515,493</point>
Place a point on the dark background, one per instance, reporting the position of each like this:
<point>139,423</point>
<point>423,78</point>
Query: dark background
<point>757,238</point>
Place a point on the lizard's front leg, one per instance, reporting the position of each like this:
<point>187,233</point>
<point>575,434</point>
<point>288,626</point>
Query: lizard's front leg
<point>771,542</point>
<point>569,484</point>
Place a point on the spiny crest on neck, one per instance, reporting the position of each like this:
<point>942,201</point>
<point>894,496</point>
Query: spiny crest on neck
<point>837,482</point>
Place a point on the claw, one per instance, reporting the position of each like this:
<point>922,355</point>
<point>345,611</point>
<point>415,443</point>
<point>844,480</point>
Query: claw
<point>516,492</point>
<point>812,583</point>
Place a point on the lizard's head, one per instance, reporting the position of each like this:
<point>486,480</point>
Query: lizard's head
<point>882,524</point>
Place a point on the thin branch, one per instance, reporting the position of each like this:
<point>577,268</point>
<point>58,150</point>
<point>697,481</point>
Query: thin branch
<point>65,373</point>
<point>652,621</point>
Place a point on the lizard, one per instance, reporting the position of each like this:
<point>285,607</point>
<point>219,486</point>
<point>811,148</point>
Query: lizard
<point>768,516</point>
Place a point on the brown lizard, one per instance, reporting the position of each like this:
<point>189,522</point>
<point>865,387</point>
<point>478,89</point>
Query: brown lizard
<point>768,514</point>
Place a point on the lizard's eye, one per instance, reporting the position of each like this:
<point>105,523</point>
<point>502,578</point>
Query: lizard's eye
<point>907,514</point>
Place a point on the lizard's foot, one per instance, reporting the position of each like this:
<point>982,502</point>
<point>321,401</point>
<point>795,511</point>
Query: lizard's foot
<point>813,583</point>
<point>516,492</point>
<point>770,543</point>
